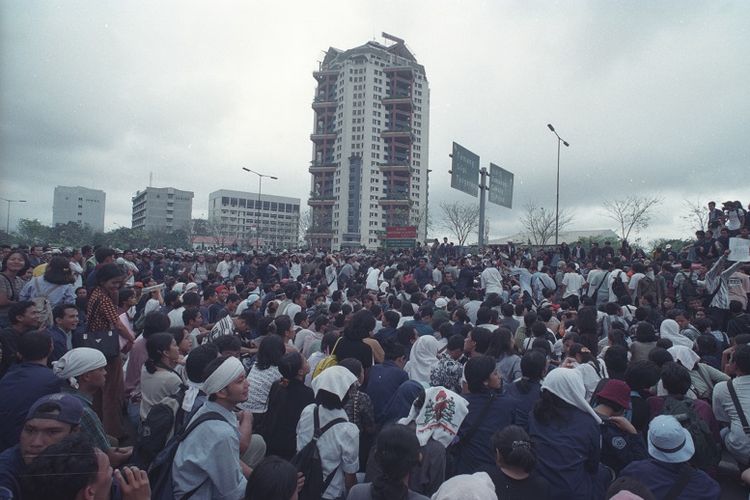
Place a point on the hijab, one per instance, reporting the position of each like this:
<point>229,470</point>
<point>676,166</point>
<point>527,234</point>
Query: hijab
<point>440,417</point>
<point>670,330</point>
<point>422,359</point>
<point>567,384</point>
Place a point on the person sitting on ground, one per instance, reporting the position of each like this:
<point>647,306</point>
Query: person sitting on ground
<point>263,374</point>
<point>84,370</point>
<point>50,419</point>
<point>385,378</point>
<point>621,443</point>
<point>25,383</point>
<point>525,391</point>
<point>286,400</point>
<point>489,410</point>
<point>449,370</point>
<point>727,408</point>
<point>565,430</point>
<point>515,477</point>
<point>435,416</point>
<point>397,453</point>
<point>339,445</point>
<point>207,462</point>
<point>158,377</point>
<point>702,376</point>
<point>273,479</point>
<point>667,472</point>
<point>74,469</point>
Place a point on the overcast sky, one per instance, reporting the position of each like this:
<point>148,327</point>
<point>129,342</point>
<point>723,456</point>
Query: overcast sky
<point>652,96</point>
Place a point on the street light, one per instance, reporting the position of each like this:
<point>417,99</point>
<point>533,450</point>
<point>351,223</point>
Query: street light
<point>557,199</point>
<point>257,218</point>
<point>7,220</point>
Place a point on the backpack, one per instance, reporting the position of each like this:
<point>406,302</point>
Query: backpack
<point>42,305</point>
<point>307,461</point>
<point>328,361</point>
<point>164,420</point>
<point>618,287</point>
<point>160,472</point>
<point>707,451</point>
<point>647,286</point>
<point>688,290</point>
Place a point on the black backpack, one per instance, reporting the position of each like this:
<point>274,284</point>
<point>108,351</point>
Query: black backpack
<point>160,473</point>
<point>618,287</point>
<point>707,451</point>
<point>164,420</point>
<point>307,461</point>
<point>688,290</point>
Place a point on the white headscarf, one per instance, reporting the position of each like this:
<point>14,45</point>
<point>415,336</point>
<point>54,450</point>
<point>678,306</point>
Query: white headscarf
<point>224,375</point>
<point>440,417</point>
<point>336,380</point>
<point>687,357</point>
<point>567,384</point>
<point>669,329</point>
<point>477,486</point>
<point>76,362</point>
<point>422,359</point>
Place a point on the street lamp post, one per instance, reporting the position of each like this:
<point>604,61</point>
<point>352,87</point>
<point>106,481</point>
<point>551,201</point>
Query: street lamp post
<point>257,218</point>
<point>7,219</point>
<point>557,197</point>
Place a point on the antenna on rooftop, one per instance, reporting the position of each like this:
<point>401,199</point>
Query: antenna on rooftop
<point>150,179</point>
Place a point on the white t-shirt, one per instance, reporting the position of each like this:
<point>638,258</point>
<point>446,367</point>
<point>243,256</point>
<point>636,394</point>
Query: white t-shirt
<point>573,283</point>
<point>633,285</point>
<point>372,278</point>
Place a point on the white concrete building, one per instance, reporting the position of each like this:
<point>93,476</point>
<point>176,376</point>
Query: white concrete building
<point>268,221</point>
<point>166,208</point>
<point>370,145</point>
<point>79,204</point>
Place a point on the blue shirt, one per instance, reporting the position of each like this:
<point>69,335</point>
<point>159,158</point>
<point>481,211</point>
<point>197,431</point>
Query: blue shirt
<point>11,468</point>
<point>383,381</point>
<point>61,342</point>
<point>524,401</point>
<point>478,454</point>
<point>659,477</point>
<point>19,389</point>
<point>567,452</point>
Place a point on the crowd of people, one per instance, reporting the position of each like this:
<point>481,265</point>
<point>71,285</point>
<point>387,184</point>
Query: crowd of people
<point>518,372</point>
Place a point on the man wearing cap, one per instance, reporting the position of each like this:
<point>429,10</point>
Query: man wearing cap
<point>84,370</point>
<point>24,383</point>
<point>621,443</point>
<point>667,473</point>
<point>207,463</point>
<point>49,420</point>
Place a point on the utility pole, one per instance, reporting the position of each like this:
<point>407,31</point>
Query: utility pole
<point>482,203</point>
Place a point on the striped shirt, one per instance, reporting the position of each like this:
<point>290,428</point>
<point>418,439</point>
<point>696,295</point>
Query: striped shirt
<point>718,280</point>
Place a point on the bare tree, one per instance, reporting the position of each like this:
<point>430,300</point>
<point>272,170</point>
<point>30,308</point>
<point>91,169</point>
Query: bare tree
<point>539,222</point>
<point>460,219</point>
<point>632,213</point>
<point>696,215</point>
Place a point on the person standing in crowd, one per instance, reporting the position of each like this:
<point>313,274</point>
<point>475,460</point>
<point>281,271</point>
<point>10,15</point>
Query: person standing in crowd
<point>14,266</point>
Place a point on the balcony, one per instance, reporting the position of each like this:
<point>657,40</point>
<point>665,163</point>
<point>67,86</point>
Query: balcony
<point>320,232</point>
<point>324,102</point>
<point>399,98</point>
<point>395,166</point>
<point>324,73</point>
<point>321,167</point>
<point>323,134</point>
<point>397,198</point>
<point>398,69</point>
<point>321,200</point>
<point>402,131</point>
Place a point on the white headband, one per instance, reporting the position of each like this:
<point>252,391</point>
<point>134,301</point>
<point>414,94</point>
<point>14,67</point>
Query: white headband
<point>76,362</point>
<point>224,375</point>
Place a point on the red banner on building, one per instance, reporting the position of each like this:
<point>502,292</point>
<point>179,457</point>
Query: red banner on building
<point>401,232</point>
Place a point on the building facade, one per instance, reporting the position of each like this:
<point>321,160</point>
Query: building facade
<point>81,205</point>
<point>370,145</point>
<point>162,209</point>
<point>247,220</point>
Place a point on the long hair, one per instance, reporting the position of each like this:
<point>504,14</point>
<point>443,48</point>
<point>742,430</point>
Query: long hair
<point>549,408</point>
<point>58,272</point>
<point>397,452</point>
<point>156,345</point>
